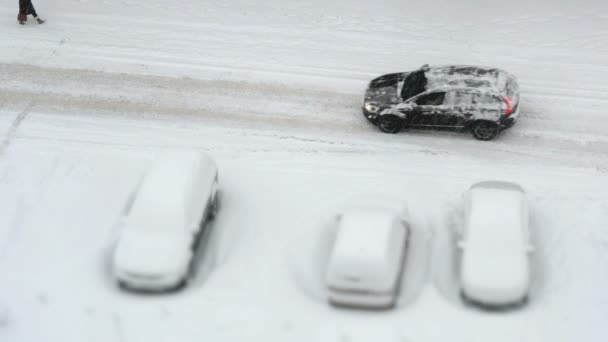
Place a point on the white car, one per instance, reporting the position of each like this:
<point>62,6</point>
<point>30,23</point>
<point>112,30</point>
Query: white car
<point>366,261</point>
<point>495,245</point>
<point>160,232</point>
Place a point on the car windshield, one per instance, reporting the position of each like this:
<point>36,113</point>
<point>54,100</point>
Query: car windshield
<point>414,84</point>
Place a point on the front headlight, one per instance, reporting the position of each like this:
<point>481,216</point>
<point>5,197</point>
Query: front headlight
<point>371,107</point>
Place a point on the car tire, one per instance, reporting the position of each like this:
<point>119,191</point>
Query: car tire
<point>123,285</point>
<point>390,123</point>
<point>485,130</point>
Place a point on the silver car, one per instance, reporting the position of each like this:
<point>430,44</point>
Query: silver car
<point>482,100</point>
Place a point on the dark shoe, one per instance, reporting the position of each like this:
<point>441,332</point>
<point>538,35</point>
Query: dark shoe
<point>21,22</point>
<point>40,21</point>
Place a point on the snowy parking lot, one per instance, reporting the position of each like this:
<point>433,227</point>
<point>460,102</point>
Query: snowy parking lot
<point>272,91</point>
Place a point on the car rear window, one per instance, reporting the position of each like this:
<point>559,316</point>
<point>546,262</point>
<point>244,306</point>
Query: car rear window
<point>484,99</point>
<point>459,98</point>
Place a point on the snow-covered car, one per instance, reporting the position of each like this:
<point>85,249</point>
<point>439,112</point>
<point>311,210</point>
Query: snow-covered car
<point>495,245</point>
<point>160,232</point>
<point>480,99</point>
<point>366,261</point>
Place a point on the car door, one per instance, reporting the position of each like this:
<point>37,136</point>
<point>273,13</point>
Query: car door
<point>459,108</point>
<point>429,109</point>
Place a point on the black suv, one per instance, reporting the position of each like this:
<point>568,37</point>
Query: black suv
<point>482,100</point>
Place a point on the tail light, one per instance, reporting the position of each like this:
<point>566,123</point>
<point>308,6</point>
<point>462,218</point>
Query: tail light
<point>509,106</point>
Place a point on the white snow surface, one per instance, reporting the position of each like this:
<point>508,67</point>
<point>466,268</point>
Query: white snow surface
<point>495,261</point>
<point>369,246</point>
<point>173,194</point>
<point>152,254</point>
<point>272,91</point>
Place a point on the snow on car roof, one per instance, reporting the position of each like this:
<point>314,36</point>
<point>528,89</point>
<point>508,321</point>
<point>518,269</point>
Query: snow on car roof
<point>162,199</point>
<point>466,76</point>
<point>363,243</point>
<point>498,216</point>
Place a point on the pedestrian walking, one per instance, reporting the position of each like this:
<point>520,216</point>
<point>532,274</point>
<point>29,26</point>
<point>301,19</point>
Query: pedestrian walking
<point>27,8</point>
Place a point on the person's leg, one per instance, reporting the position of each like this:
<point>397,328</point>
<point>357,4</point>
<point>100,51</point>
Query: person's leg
<point>32,11</point>
<point>39,20</point>
<point>22,16</point>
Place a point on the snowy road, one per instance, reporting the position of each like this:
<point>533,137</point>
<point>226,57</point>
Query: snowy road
<point>312,115</point>
<point>273,93</point>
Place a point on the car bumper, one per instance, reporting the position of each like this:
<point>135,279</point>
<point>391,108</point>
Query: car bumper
<point>149,283</point>
<point>358,299</point>
<point>490,305</point>
<point>371,117</point>
<point>506,122</point>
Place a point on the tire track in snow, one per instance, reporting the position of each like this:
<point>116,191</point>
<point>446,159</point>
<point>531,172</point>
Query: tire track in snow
<point>181,102</point>
<point>12,130</point>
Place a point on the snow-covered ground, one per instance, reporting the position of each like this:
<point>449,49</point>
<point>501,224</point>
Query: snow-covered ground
<point>272,90</point>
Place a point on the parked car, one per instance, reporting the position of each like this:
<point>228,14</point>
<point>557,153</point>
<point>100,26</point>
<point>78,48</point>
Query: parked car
<point>366,261</point>
<point>495,244</point>
<point>161,230</point>
<point>480,99</point>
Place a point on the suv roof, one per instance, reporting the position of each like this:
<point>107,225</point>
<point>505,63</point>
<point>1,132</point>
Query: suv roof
<point>482,79</point>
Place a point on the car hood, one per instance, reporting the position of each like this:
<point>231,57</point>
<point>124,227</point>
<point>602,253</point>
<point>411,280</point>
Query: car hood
<point>384,89</point>
<point>152,254</point>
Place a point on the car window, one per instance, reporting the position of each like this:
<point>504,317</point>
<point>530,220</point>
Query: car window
<point>484,99</point>
<point>462,99</point>
<point>434,99</point>
<point>414,84</point>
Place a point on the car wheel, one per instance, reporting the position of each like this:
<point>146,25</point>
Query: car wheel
<point>122,285</point>
<point>390,123</point>
<point>485,130</point>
